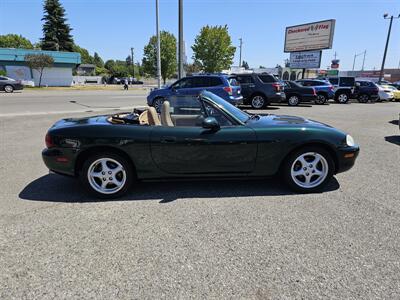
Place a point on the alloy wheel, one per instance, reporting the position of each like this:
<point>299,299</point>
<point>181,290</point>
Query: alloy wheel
<point>106,176</point>
<point>343,98</point>
<point>8,89</point>
<point>363,98</point>
<point>257,102</point>
<point>293,100</point>
<point>158,104</point>
<point>309,170</point>
<point>321,99</point>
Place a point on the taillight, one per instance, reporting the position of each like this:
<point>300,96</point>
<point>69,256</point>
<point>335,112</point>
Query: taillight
<point>49,141</point>
<point>228,89</point>
<point>277,86</point>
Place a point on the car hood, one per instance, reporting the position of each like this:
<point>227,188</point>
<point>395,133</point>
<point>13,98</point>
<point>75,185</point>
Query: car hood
<point>284,120</point>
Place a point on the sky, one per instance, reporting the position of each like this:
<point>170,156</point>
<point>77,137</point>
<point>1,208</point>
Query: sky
<point>112,27</point>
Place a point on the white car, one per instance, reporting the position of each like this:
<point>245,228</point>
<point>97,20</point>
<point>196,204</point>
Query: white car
<point>385,94</point>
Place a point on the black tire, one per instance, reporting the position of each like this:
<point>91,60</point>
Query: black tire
<point>293,100</point>
<point>342,98</point>
<point>321,99</point>
<point>157,103</point>
<point>88,183</point>
<point>363,98</point>
<point>8,88</point>
<point>258,101</point>
<point>289,162</point>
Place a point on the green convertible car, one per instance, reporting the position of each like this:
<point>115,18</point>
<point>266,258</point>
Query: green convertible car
<point>202,136</point>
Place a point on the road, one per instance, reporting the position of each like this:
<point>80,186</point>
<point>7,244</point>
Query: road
<point>33,102</point>
<point>199,239</point>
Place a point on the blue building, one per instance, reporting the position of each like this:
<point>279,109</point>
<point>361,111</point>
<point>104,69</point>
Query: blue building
<point>60,74</point>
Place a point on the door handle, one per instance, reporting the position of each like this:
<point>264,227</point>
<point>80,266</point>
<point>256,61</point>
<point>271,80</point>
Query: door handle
<point>168,139</point>
<point>252,85</point>
<point>197,141</point>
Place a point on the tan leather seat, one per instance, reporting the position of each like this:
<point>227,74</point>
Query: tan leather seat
<point>153,117</point>
<point>166,114</point>
<point>149,117</point>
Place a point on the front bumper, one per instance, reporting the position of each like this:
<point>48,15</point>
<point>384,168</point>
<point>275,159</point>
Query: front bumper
<point>346,158</point>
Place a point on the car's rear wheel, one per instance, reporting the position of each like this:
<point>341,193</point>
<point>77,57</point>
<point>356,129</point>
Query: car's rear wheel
<point>308,169</point>
<point>8,88</point>
<point>342,98</point>
<point>107,175</point>
<point>293,100</point>
<point>258,102</point>
<point>158,102</point>
<point>363,98</point>
<point>321,99</point>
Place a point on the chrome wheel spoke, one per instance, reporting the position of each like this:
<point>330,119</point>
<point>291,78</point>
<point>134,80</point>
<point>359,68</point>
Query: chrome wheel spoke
<point>104,166</point>
<point>312,172</point>
<point>96,174</point>
<point>117,169</point>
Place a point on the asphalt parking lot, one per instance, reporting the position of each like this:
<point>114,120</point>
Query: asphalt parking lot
<point>197,239</point>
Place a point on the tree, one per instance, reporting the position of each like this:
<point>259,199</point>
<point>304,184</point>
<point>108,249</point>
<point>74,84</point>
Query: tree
<point>168,56</point>
<point>56,32</point>
<point>38,62</point>
<point>98,61</point>
<point>245,65</point>
<point>213,49</point>
<point>14,41</point>
<point>86,58</point>
<point>192,68</point>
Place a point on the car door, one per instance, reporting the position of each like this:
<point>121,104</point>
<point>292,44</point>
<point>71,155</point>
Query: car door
<point>180,150</point>
<point>247,85</point>
<point>188,86</point>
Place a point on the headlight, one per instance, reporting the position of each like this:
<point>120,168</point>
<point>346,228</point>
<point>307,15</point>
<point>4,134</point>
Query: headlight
<point>350,141</point>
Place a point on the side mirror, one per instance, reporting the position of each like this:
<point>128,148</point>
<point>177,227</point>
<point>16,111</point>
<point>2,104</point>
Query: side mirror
<point>211,123</point>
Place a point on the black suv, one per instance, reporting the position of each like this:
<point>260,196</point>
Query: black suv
<point>259,90</point>
<point>365,90</point>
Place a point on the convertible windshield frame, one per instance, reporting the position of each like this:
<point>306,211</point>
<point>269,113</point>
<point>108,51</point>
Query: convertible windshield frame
<point>235,113</point>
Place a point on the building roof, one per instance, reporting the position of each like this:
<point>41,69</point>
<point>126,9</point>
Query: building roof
<point>18,55</point>
<point>89,66</point>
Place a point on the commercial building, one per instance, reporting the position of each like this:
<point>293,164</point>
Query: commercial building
<point>60,74</point>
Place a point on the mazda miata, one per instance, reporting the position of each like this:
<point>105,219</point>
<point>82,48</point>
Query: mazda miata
<point>197,137</point>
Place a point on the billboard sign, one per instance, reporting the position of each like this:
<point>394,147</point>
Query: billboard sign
<point>305,60</point>
<point>310,36</point>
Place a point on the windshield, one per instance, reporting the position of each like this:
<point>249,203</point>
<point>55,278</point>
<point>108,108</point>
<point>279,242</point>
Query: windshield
<point>232,110</point>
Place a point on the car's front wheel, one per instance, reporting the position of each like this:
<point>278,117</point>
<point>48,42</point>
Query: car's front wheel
<point>9,88</point>
<point>308,169</point>
<point>107,175</point>
<point>258,102</point>
<point>293,100</point>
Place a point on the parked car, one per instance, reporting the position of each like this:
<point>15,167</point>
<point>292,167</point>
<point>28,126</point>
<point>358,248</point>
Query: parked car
<point>295,93</point>
<point>217,140</point>
<point>365,91</point>
<point>385,93</point>
<point>220,84</point>
<point>323,88</point>
<point>394,90</point>
<point>10,85</point>
<point>343,88</point>
<point>259,90</point>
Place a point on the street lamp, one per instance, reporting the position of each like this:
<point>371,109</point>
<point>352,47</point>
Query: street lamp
<point>386,16</point>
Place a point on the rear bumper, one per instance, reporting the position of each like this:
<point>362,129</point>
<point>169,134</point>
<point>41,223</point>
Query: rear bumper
<point>235,100</point>
<point>346,157</point>
<point>60,161</point>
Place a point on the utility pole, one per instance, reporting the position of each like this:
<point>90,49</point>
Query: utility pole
<point>355,56</point>
<point>386,16</point>
<point>365,53</point>
<point>158,48</point>
<point>240,52</point>
<point>133,61</point>
<point>180,41</point>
